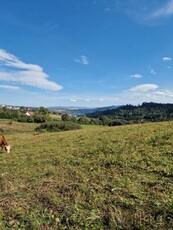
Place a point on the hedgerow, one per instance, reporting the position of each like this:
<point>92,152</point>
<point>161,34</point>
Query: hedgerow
<point>57,126</point>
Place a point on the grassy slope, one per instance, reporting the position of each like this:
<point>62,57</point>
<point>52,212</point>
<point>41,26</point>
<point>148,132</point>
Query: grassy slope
<point>97,178</point>
<point>12,127</point>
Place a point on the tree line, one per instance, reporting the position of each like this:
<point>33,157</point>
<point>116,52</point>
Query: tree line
<point>129,114</point>
<point>40,115</point>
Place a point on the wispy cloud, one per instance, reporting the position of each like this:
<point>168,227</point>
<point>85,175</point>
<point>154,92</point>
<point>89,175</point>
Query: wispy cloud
<point>164,93</point>
<point>73,100</point>
<point>13,69</point>
<point>10,87</point>
<point>153,72</point>
<point>136,75</point>
<point>137,97</point>
<point>143,88</point>
<point>144,11</point>
<point>165,10</point>
<point>166,58</point>
<point>107,9</point>
<point>82,60</point>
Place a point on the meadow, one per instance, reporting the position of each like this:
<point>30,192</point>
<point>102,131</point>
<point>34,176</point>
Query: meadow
<point>94,178</point>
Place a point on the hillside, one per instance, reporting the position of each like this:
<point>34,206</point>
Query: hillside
<point>95,178</point>
<point>146,112</point>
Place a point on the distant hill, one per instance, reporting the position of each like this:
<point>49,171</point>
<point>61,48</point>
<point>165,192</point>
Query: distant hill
<point>137,114</point>
<point>80,111</point>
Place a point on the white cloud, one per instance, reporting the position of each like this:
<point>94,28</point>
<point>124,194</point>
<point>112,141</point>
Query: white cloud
<point>165,10</point>
<point>73,100</point>
<point>152,71</point>
<point>14,70</point>
<point>166,58</point>
<point>143,88</point>
<point>82,60</point>
<point>137,97</point>
<point>9,87</point>
<point>137,75</point>
<point>165,93</point>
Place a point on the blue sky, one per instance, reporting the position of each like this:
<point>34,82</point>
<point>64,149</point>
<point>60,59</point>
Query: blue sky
<point>89,53</point>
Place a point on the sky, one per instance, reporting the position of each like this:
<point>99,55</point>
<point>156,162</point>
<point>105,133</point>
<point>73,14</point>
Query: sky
<point>88,53</point>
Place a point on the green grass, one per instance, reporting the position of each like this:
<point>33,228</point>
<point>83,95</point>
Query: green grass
<point>12,127</point>
<point>96,178</point>
<point>91,126</point>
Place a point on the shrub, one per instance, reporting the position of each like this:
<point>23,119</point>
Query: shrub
<point>40,118</point>
<point>95,121</point>
<point>30,119</point>
<point>116,122</point>
<point>105,120</point>
<point>58,126</point>
<point>84,120</point>
<point>66,117</point>
<point>22,119</point>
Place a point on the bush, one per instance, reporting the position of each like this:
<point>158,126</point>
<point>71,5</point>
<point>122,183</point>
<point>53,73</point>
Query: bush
<point>84,120</point>
<point>58,126</point>
<point>40,118</point>
<point>95,121</point>
<point>105,120</point>
<point>22,119</point>
<point>30,119</point>
<point>66,117</point>
<point>117,122</point>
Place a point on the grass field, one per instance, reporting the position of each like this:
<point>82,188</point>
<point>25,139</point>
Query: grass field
<point>95,178</point>
<point>12,127</point>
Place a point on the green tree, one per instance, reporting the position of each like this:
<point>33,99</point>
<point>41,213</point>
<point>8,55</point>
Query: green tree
<point>41,115</point>
<point>43,111</point>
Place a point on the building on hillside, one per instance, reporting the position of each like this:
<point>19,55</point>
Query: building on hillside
<point>29,113</point>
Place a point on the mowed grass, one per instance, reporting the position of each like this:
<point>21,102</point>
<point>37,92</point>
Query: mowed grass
<point>96,178</point>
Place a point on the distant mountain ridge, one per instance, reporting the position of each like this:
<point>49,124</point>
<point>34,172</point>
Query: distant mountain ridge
<point>80,110</point>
